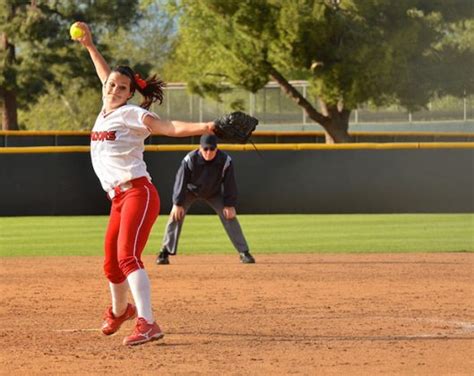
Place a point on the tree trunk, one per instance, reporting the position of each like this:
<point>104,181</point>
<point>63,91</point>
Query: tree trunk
<point>337,130</point>
<point>9,113</point>
<point>334,120</point>
<point>9,110</point>
<point>7,92</point>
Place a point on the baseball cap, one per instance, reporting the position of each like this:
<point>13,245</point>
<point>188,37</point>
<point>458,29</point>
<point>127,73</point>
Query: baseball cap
<point>208,140</point>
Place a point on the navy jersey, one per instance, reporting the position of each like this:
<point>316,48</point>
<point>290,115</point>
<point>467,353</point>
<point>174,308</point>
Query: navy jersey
<point>206,178</point>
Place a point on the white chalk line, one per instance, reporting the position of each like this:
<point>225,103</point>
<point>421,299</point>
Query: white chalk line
<point>77,330</point>
<point>456,328</point>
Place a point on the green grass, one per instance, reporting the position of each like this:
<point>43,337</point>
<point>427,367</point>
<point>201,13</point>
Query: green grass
<point>67,236</point>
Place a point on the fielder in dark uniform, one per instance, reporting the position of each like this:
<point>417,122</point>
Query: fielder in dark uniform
<point>205,174</point>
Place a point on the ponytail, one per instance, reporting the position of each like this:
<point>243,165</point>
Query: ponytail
<point>151,89</point>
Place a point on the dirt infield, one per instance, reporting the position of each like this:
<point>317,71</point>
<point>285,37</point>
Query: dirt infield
<point>392,314</point>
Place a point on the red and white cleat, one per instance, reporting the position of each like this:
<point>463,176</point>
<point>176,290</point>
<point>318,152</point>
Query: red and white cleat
<point>112,324</point>
<point>143,332</point>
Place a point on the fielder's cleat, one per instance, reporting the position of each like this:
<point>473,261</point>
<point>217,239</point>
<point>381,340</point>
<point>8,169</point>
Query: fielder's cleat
<point>246,258</point>
<point>112,324</point>
<point>163,258</point>
<point>143,332</point>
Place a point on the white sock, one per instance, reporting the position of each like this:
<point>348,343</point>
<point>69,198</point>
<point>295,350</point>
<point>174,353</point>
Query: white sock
<point>140,288</point>
<point>119,297</point>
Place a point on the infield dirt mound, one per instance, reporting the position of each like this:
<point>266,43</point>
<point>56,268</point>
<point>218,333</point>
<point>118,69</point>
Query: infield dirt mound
<point>287,314</point>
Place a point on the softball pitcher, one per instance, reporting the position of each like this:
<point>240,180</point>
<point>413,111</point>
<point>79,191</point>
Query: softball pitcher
<point>117,145</point>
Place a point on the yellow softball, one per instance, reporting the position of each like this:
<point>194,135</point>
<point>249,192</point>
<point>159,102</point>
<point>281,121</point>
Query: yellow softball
<point>75,31</point>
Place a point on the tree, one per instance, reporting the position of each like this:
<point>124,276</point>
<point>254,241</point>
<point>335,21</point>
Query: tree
<point>144,45</point>
<point>36,53</point>
<point>351,51</point>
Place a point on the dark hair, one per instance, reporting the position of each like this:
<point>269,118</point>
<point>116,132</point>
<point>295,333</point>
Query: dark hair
<point>151,89</point>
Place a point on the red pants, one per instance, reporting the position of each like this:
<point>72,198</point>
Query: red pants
<point>132,216</point>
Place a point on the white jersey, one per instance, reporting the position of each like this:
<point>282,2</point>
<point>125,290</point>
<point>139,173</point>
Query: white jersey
<point>117,145</point>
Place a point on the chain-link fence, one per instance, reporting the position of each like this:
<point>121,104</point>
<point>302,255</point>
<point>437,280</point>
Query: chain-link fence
<point>275,109</point>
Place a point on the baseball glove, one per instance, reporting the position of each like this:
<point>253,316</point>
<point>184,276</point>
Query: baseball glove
<point>235,127</point>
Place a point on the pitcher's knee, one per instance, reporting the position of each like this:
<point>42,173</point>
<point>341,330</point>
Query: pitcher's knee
<point>129,264</point>
<point>114,273</point>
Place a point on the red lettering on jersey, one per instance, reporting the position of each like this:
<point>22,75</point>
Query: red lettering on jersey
<point>103,136</point>
<point>111,136</point>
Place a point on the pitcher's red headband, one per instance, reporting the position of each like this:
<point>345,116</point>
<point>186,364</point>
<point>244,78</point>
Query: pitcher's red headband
<point>140,81</point>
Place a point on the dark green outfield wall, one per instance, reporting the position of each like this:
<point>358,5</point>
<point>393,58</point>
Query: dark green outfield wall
<point>308,181</point>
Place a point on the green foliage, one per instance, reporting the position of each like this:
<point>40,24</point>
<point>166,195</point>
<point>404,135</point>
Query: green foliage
<point>40,57</point>
<point>53,77</point>
<point>146,45</point>
<point>73,108</point>
<point>357,51</point>
<point>209,55</point>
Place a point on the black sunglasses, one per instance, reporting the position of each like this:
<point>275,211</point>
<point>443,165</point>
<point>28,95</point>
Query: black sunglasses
<point>210,148</point>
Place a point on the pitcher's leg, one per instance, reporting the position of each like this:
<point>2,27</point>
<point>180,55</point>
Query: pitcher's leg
<point>139,211</point>
<point>111,264</point>
<point>119,294</point>
<point>120,310</point>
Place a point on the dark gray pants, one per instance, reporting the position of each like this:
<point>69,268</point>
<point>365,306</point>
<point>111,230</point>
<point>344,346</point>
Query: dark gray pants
<point>232,226</point>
